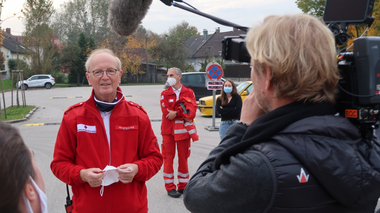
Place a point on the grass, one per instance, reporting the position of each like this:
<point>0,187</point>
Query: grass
<point>15,113</point>
<point>7,84</point>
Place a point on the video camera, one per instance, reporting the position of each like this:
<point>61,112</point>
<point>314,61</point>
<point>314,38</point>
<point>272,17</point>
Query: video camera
<point>359,88</point>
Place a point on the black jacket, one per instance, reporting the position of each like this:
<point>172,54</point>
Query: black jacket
<point>230,111</point>
<point>342,172</point>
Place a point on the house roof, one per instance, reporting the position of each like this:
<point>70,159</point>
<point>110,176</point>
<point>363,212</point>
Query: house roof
<point>194,43</point>
<point>12,44</point>
<point>212,46</point>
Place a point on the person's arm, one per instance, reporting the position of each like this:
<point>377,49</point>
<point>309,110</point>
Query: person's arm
<point>190,96</point>
<point>246,178</point>
<point>150,157</point>
<point>164,104</point>
<point>63,166</point>
<point>218,104</point>
<point>229,109</point>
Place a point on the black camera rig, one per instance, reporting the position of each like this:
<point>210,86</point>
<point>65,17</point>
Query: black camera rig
<point>359,87</point>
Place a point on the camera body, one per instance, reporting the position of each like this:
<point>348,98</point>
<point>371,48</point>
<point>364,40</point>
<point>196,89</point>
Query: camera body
<point>359,87</point>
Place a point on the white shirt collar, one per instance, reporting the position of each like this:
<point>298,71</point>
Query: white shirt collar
<point>177,92</point>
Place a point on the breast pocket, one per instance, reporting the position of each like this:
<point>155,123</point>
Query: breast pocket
<point>125,139</point>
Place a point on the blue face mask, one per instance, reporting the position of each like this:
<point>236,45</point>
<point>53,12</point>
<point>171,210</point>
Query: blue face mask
<point>227,89</point>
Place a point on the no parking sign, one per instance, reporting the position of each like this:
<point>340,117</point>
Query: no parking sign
<point>214,71</point>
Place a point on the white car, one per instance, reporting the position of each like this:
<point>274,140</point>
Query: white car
<point>41,80</point>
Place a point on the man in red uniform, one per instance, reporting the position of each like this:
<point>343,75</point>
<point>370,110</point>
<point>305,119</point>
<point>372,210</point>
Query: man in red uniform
<point>170,130</point>
<point>105,147</point>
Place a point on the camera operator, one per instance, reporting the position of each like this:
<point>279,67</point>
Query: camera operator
<point>289,152</point>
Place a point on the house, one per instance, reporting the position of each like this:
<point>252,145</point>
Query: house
<point>207,47</point>
<point>12,48</point>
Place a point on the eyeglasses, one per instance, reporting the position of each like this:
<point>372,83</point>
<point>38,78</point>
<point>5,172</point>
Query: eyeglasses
<point>109,72</point>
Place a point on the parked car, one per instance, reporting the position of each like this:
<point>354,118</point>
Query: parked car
<point>205,103</point>
<point>197,82</point>
<point>41,80</point>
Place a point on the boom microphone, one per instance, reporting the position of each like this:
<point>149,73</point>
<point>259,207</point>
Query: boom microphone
<point>125,16</point>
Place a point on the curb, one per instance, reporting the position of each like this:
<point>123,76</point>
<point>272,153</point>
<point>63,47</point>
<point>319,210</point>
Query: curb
<point>25,118</point>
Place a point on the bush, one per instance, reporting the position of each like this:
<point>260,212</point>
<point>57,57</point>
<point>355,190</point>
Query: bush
<point>59,77</point>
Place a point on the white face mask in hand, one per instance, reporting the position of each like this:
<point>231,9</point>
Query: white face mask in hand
<point>41,195</point>
<point>110,176</point>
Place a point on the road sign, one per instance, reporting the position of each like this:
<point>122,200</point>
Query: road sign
<point>214,71</point>
<point>211,85</point>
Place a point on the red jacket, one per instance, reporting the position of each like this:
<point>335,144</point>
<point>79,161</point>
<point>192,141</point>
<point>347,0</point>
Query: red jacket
<point>132,141</point>
<point>168,101</point>
<point>182,129</point>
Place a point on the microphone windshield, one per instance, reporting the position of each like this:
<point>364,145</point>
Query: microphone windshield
<point>125,16</point>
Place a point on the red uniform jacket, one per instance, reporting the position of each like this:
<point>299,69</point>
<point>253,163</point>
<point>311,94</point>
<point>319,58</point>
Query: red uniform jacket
<point>182,129</point>
<point>82,143</point>
<point>168,101</point>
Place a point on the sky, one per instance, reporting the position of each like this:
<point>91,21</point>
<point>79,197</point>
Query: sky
<point>160,17</point>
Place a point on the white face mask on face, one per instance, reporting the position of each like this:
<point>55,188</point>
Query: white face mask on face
<point>41,195</point>
<point>172,81</point>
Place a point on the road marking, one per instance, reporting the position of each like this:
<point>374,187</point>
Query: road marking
<point>67,97</point>
<point>35,124</point>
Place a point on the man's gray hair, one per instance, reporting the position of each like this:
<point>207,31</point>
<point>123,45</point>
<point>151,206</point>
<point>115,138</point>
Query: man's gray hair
<point>177,70</point>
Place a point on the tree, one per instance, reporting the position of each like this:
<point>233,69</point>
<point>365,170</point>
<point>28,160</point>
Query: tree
<point>76,55</point>
<point>312,7</point>
<point>317,7</point>
<point>171,48</point>
<point>2,60</point>
<point>131,50</point>
<point>38,36</point>
<point>76,16</point>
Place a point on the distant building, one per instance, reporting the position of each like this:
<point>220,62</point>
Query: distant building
<point>201,48</point>
<point>12,48</point>
<point>207,48</point>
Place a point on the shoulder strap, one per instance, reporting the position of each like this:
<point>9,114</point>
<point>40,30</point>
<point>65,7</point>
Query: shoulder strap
<point>69,202</point>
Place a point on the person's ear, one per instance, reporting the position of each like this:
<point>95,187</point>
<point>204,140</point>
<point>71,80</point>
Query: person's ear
<point>121,74</point>
<point>268,76</point>
<point>30,192</point>
<point>88,79</point>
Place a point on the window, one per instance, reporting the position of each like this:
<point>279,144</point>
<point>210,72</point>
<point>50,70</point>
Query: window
<point>43,77</point>
<point>195,79</point>
<point>184,79</point>
<point>249,89</point>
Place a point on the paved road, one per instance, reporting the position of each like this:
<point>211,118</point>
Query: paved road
<point>52,103</point>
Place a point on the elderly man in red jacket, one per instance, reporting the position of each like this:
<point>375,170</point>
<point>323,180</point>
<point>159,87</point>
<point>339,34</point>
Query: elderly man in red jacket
<point>174,119</point>
<point>105,147</point>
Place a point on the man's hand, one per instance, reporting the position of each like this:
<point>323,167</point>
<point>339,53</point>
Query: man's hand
<point>171,115</point>
<point>92,176</point>
<point>250,110</point>
<point>127,172</point>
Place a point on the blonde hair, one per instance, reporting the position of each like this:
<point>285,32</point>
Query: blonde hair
<point>300,50</point>
<point>100,51</point>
